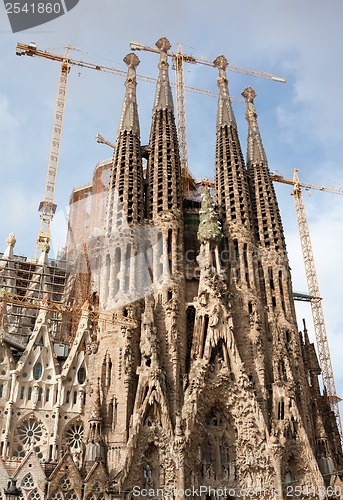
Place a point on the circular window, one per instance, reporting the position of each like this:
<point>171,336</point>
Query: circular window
<point>74,435</point>
<point>29,431</point>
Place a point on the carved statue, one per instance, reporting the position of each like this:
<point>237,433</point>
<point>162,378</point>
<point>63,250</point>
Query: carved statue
<point>148,479</point>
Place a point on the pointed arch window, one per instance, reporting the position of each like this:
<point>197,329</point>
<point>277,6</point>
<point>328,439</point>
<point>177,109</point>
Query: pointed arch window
<point>27,482</point>
<point>71,495</point>
<point>81,375</point>
<point>37,370</point>
<point>34,495</point>
<point>56,495</point>
<point>65,483</point>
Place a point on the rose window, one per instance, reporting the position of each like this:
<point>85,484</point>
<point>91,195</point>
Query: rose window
<point>74,435</point>
<point>30,431</point>
<point>30,435</point>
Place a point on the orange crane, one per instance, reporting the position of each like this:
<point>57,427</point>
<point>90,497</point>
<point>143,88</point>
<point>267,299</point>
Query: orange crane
<point>313,287</point>
<point>179,59</point>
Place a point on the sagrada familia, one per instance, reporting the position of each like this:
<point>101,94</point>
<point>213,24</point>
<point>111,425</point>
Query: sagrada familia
<point>161,356</point>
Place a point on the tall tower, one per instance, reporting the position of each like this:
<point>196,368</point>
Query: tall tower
<point>165,213</point>
<point>188,372</point>
<point>125,207</point>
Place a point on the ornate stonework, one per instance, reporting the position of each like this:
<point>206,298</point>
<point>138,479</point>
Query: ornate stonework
<point>201,379</point>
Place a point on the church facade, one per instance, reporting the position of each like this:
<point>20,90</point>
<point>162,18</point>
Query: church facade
<point>174,364</point>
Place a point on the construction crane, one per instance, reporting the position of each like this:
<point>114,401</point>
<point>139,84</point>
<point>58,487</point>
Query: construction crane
<point>179,58</point>
<point>47,207</point>
<point>313,287</point>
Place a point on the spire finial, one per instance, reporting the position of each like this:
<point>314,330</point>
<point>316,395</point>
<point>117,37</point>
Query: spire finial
<point>256,153</point>
<point>131,60</point>
<point>10,240</point>
<point>225,114</point>
<point>129,118</point>
<point>10,244</point>
<point>249,95</point>
<point>221,62</point>
<point>163,97</point>
<point>163,44</point>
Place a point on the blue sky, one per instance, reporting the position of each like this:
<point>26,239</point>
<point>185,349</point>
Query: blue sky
<point>300,122</point>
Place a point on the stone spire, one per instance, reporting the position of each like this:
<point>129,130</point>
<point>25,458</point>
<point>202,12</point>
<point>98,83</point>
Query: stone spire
<point>7,266</point>
<point>129,116</point>
<point>255,153</point>
<point>231,180</point>
<point>225,114</point>
<point>95,443</point>
<point>164,170</point>
<point>41,281</point>
<point>163,95</point>
<point>265,207</point>
<point>126,197</point>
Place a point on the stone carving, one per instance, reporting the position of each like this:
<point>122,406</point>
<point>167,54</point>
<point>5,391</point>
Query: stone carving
<point>10,240</point>
<point>148,480</point>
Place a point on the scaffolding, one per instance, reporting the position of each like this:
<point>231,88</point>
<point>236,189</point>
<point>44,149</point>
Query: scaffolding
<point>24,284</point>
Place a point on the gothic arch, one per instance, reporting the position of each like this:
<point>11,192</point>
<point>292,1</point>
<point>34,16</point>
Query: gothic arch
<point>94,493</point>
<point>292,470</point>
<point>219,447</point>
<point>213,461</point>
<point>73,435</point>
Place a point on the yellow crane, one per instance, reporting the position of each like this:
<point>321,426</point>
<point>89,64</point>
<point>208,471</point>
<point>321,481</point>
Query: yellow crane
<point>47,207</point>
<point>179,59</point>
<point>313,287</point>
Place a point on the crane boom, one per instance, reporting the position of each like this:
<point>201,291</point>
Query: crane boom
<point>200,60</point>
<point>48,206</point>
<point>313,289</point>
<point>305,185</point>
<point>179,59</point>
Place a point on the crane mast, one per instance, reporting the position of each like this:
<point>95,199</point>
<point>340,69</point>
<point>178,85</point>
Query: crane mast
<point>181,105</point>
<point>313,289</point>
<point>47,207</point>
